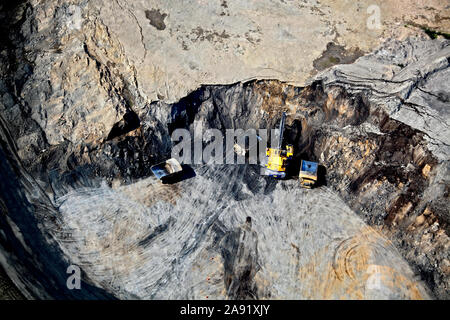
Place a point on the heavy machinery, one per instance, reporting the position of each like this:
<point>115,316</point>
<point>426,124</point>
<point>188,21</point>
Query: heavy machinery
<point>278,158</point>
<point>167,170</point>
<point>308,174</point>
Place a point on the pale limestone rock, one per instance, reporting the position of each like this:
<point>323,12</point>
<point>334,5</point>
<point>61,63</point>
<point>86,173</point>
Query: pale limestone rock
<point>180,45</point>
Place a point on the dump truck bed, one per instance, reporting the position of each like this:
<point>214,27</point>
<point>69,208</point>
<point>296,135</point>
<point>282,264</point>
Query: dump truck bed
<point>166,169</point>
<point>308,174</point>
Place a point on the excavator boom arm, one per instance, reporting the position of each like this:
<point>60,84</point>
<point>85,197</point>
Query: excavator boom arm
<point>283,119</point>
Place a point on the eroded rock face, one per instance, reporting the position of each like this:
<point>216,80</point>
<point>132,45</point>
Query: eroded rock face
<point>223,42</point>
<point>408,80</point>
<point>89,100</point>
<point>89,80</point>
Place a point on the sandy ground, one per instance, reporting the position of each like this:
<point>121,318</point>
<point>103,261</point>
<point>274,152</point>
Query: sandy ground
<point>170,241</point>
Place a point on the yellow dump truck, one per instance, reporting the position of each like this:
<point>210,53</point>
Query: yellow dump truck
<point>308,174</point>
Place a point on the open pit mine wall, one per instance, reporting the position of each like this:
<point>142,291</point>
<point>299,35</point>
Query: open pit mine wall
<point>29,254</point>
<point>379,126</point>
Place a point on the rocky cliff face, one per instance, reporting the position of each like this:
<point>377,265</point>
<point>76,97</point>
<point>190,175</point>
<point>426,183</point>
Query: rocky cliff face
<point>91,91</point>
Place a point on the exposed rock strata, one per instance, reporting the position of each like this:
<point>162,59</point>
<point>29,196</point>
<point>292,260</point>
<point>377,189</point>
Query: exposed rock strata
<point>79,107</point>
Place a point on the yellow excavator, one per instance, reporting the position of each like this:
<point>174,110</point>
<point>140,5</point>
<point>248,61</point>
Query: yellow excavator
<point>278,158</point>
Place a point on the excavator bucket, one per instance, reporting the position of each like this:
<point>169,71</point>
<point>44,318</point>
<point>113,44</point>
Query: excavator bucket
<point>167,169</point>
<point>275,174</point>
